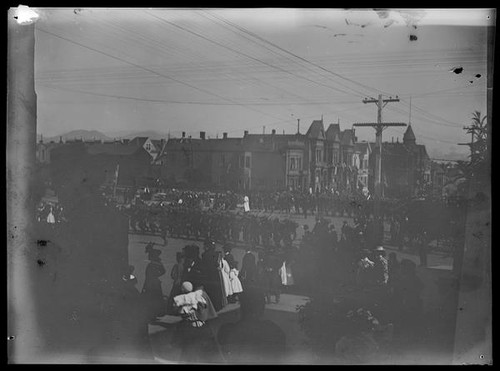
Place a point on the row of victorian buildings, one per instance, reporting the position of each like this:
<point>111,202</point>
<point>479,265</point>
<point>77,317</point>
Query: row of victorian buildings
<point>319,160</point>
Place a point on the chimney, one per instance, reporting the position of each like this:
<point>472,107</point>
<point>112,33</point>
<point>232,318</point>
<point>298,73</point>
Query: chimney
<point>245,133</point>
<point>273,132</point>
<point>183,134</point>
<point>224,135</point>
<point>202,135</point>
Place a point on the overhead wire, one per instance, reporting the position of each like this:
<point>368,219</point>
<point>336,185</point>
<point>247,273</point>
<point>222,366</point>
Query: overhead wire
<point>152,71</point>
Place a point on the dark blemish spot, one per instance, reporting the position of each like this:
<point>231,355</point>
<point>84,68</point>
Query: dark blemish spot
<point>415,26</point>
<point>478,75</point>
<point>40,262</point>
<point>457,70</point>
<point>15,17</point>
<point>41,242</point>
<point>481,356</point>
<point>413,38</point>
<point>471,81</point>
<point>10,337</point>
<point>460,308</point>
<point>84,180</point>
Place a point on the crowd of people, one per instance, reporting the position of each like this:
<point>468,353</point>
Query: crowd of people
<point>329,257</point>
<point>202,285</point>
<point>198,215</point>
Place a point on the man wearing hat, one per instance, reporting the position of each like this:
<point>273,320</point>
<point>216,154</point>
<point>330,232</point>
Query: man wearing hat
<point>381,268</point>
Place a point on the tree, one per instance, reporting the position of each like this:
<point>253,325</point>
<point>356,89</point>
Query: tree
<point>479,165</point>
<point>480,135</point>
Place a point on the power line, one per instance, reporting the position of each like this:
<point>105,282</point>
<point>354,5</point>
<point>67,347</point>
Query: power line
<point>244,54</point>
<point>193,102</point>
<point>150,70</point>
<point>299,57</point>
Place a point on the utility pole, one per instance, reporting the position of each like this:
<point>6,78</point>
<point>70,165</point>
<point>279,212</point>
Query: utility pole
<point>471,145</point>
<point>379,126</point>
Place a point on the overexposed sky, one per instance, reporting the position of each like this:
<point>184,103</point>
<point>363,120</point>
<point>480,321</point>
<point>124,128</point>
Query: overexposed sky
<point>230,70</point>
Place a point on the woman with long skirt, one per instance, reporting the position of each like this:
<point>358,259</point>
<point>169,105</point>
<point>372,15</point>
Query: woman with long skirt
<point>212,277</point>
<point>151,291</point>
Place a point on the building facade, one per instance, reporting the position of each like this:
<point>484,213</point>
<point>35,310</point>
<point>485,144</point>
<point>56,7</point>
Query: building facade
<point>316,161</point>
<point>406,167</point>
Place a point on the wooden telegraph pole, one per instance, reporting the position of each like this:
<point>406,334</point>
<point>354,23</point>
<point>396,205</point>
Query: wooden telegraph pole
<point>379,126</point>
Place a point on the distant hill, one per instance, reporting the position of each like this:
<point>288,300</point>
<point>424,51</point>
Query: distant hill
<point>79,134</point>
<point>451,155</point>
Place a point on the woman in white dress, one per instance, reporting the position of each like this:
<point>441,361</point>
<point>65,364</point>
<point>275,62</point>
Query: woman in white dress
<point>235,281</point>
<point>50,218</point>
<point>224,267</point>
<point>246,204</point>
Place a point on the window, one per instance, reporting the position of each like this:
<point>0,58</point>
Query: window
<point>247,162</point>
<point>222,160</point>
<point>318,155</point>
<point>148,146</point>
<point>295,162</point>
<point>365,163</point>
<point>242,161</point>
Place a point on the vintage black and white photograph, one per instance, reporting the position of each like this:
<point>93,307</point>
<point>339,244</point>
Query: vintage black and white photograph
<point>283,186</point>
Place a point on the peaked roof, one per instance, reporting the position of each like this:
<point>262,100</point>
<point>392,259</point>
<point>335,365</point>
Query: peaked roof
<point>409,136</point>
<point>333,132</point>
<point>158,143</point>
<point>139,141</point>
<point>316,130</point>
<point>347,137</point>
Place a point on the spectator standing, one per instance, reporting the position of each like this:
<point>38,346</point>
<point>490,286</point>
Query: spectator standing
<point>152,291</point>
